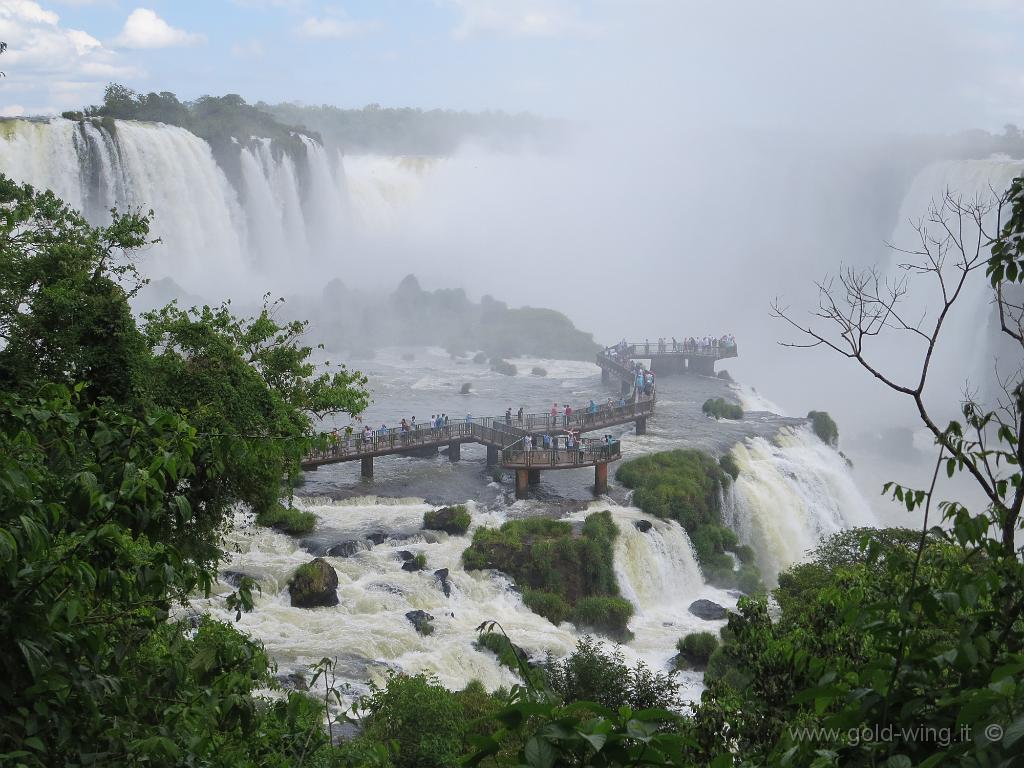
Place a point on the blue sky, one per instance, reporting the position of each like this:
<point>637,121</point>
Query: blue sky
<point>893,64</point>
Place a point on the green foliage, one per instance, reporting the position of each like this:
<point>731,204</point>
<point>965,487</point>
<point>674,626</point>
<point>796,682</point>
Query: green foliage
<point>722,409</point>
<point>557,570</point>
<point>454,519</point>
<point>420,560</point>
<point>592,673</point>
<point>287,519</point>
<point>824,427</point>
<point>729,465</point>
<point>509,655</point>
<point>424,724</point>
<point>696,648</point>
<point>503,367</point>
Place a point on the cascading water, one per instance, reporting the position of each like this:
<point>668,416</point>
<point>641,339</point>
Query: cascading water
<point>791,492</point>
<point>289,216</point>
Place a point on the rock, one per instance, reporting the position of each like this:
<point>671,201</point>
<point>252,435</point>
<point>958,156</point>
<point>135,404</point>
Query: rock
<point>377,538</point>
<point>479,357</point>
<point>707,610</point>
<point>295,681</point>
<point>452,520</point>
<point>643,525</point>
<point>344,548</point>
<point>234,578</point>
<point>314,584</point>
<point>380,586</point>
<point>442,576</point>
<point>413,565</point>
<point>465,388</point>
<point>421,620</point>
<point>405,555</point>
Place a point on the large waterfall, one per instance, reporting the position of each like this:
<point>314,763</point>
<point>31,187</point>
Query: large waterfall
<point>287,217</point>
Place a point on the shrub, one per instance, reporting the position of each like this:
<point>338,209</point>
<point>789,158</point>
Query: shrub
<point>695,649</point>
<point>287,520</point>
<point>604,614</point>
<point>744,552</point>
<point>591,673</point>
<point>509,655</point>
<point>722,409</point>
<point>729,465</point>
<point>547,604</point>
<point>681,485</point>
<point>454,520</point>
<point>421,561</point>
<point>824,427</point>
<point>538,371</point>
<point>503,367</point>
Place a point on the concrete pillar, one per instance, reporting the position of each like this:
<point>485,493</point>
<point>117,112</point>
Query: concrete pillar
<point>627,387</point>
<point>367,466</point>
<point>454,451</point>
<point>605,376</point>
<point>522,482</point>
<point>641,425</point>
<point>492,456</point>
<point>600,478</point>
<point>534,477</point>
<point>705,366</point>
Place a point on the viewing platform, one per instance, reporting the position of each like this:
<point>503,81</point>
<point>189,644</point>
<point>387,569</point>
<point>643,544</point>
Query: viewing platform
<point>506,437</point>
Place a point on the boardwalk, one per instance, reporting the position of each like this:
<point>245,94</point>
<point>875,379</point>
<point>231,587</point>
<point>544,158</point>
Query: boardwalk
<point>510,440</point>
<point>667,357</point>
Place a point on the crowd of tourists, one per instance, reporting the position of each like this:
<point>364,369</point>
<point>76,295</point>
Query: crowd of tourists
<point>624,351</point>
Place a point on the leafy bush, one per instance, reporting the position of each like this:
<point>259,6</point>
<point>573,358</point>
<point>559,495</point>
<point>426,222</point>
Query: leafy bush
<point>509,655</point>
<point>454,519</point>
<point>729,465</point>
<point>503,367</point>
<point>609,615</point>
<point>722,409</point>
<point>287,520</point>
<point>824,427</point>
<point>555,569</point>
<point>696,648</point>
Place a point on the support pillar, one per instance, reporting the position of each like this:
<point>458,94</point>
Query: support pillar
<point>641,425</point>
<point>703,366</point>
<point>454,451</point>
<point>627,387</point>
<point>605,376</point>
<point>367,466</point>
<point>600,478</point>
<point>492,455</point>
<point>534,476</point>
<point>522,482</point>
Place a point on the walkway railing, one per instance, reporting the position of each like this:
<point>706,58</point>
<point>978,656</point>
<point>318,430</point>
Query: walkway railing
<point>587,453</point>
<point>717,349</point>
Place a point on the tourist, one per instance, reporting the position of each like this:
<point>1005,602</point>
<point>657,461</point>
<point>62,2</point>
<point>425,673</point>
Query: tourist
<point>469,419</point>
<point>508,416</point>
<point>520,414</point>
<point>554,414</point>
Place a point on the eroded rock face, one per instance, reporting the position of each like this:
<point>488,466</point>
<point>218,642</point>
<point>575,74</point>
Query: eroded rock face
<point>313,585</point>
<point>643,525</point>
<point>707,610</point>
<point>442,577</point>
<point>422,621</point>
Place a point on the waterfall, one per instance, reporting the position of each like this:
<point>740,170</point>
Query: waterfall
<point>791,493</point>
<point>287,219</point>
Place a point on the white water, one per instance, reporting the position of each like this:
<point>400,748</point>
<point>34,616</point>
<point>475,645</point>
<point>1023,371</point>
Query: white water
<point>791,493</point>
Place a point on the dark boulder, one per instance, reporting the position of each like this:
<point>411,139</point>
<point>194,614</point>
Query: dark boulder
<point>314,584</point>
<point>405,555</point>
<point>707,610</point>
<point>421,620</point>
<point>643,525</point>
<point>234,578</point>
<point>452,520</point>
<point>377,538</point>
<point>442,576</point>
<point>416,564</point>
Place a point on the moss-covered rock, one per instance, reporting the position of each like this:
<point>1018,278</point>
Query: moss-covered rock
<point>504,367</point>
<point>695,650</point>
<point>722,409</point>
<point>287,520</point>
<point>422,621</point>
<point>559,572</point>
<point>454,520</point>
<point>538,371</point>
<point>314,584</point>
<point>480,358</point>
<point>824,427</point>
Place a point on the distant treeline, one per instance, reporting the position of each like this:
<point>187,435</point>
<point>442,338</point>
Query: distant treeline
<point>407,131</point>
<point>226,120</point>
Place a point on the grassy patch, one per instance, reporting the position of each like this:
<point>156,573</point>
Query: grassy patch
<point>722,409</point>
<point>287,520</point>
<point>562,575</point>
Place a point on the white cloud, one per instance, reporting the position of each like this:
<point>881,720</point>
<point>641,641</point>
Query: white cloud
<point>529,18</point>
<point>48,64</point>
<point>334,28</point>
<point>248,49</point>
<point>144,29</point>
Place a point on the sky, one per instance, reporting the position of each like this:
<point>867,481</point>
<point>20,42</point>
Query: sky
<point>893,65</point>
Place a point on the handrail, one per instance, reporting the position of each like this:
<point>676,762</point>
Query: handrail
<point>580,455</point>
<point>717,348</point>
